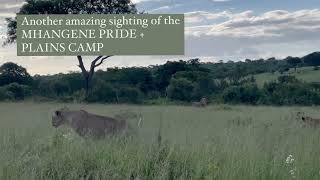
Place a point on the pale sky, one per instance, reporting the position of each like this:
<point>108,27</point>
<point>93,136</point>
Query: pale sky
<point>215,29</point>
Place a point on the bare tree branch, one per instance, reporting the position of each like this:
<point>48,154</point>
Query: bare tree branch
<point>96,60</point>
<point>93,64</point>
<point>102,60</point>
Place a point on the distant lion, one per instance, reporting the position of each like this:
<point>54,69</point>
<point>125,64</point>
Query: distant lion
<point>85,123</point>
<point>311,121</point>
<point>308,120</point>
<point>203,103</point>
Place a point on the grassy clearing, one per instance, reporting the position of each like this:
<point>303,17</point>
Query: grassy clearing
<point>307,74</point>
<point>218,142</point>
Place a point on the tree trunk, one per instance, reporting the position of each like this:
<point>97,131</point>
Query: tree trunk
<point>88,75</point>
<point>87,87</point>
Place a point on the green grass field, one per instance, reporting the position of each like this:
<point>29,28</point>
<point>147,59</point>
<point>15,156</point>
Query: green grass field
<point>307,74</point>
<point>218,142</point>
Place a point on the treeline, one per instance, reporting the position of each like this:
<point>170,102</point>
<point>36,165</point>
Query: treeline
<point>179,82</point>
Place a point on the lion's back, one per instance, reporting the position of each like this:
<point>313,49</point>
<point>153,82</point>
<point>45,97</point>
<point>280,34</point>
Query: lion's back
<point>312,121</point>
<point>100,125</point>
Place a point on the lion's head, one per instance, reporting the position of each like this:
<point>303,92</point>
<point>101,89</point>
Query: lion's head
<point>59,117</point>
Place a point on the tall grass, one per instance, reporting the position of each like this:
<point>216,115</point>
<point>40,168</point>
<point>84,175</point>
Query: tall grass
<point>217,142</point>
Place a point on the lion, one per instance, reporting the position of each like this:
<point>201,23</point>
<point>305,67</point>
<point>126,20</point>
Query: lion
<point>309,120</point>
<point>202,103</point>
<point>84,123</point>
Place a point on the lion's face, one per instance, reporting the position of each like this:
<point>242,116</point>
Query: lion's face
<point>58,119</point>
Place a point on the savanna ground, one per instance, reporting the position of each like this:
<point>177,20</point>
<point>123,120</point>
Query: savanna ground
<point>217,142</point>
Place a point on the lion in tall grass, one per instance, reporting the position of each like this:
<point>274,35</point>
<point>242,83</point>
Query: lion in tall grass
<point>202,103</point>
<point>309,121</point>
<point>85,123</point>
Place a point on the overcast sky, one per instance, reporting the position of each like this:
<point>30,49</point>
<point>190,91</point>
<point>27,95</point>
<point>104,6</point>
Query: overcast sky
<point>215,29</point>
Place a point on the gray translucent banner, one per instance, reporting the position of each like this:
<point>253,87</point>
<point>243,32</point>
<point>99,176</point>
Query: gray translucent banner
<point>105,34</point>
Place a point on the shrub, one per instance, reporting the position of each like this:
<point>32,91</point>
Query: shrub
<point>44,89</point>
<point>291,92</point>
<point>231,94</point>
<point>79,96</point>
<point>17,91</point>
<point>180,89</point>
<point>60,88</point>
<point>102,92</point>
<point>287,79</point>
<point>248,93</point>
<point>5,95</point>
<point>129,94</point>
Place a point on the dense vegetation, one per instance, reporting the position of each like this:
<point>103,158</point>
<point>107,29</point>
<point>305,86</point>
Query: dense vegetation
<point>181,81</point>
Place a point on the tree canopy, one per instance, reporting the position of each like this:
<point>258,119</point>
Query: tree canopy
<point>70,7</point>
<point>11,72</point>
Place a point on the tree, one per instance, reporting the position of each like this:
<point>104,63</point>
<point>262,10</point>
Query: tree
<point>74,7</point>
<point>231,94</point>
<point>312,59</point>
<point>88,75</point>
<point>250,93</point>
<point>236,74</point>
<point>164,73</point>
<point>293,61</point>
<point>203,83</point>
<point>13,73</point>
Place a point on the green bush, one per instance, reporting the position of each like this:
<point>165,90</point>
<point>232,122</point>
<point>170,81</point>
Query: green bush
<point>129,94</point>
<point>45,89</point>
<point>15,91</point>
<point>79,96</point>
<point>103,92</point>
<point>231,94</point>
<point>5,95</point>
<point>180,89</point>
<point>288,79</point>
<point>248,93</point>
<point>290,91</point>
<point>2,94</point>
<point>60,88</point>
